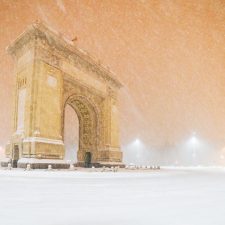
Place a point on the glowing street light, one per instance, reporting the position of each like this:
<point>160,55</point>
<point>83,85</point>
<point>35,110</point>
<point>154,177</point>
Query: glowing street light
<point>137,147</point>
<point>193,143</point>
<point>137,142</point>
<point>193,139</point>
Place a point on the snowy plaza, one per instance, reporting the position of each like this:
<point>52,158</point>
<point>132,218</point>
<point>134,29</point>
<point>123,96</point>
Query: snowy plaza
<point>112,112</point>
<point>170,196</point>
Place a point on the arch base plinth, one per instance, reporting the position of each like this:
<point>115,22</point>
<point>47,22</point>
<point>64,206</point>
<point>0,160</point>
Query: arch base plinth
<point>101,164</point>
<point>43,163</point>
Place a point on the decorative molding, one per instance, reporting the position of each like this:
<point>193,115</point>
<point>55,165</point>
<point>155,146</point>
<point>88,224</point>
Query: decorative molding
<point>76,79</point>
<point>43,140</point>
<point>41,35</point>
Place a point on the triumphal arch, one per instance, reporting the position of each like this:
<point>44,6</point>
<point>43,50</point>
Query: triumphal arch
<point>52,72</point>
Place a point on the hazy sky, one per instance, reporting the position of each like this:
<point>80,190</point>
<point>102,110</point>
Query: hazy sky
<point>169,55</point>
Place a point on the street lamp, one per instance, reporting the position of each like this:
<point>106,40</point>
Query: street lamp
<point>193,142</point>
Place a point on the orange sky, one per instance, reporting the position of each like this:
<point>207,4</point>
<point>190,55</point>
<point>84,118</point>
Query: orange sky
<point>169,55</point>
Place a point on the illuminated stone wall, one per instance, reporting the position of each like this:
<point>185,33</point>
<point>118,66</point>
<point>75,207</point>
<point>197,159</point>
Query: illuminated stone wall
<point>58,74</point>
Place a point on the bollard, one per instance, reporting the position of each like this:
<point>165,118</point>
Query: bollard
<point>49,167</point>
<point>9,166</point>
<point>72,167</point>
<point>103,169</point>
<point>28,167</point>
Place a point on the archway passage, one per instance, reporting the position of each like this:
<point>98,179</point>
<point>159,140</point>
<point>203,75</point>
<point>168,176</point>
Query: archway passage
<point>71,134</point>
<point>88,129</point>
<point>52,73</point>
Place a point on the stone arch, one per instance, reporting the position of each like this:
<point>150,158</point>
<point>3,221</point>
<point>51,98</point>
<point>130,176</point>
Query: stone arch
<point>88,126</point>
<point>54,73</point>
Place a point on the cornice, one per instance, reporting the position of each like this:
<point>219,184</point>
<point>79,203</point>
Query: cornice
<point>39,31</point>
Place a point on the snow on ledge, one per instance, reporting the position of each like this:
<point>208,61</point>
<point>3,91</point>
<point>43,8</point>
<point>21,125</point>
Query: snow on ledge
<point>49,161</point>
<point>43,140</point>
<point>6,160</point>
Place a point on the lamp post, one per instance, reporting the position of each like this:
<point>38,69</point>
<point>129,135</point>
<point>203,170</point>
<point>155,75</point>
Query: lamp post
<point>137,148</point>
<point>193,144</point>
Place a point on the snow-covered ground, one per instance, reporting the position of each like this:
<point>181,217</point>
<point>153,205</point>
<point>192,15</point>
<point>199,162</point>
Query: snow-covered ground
<point>169,197</point>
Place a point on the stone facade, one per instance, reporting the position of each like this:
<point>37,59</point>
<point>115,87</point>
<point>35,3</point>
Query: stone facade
<point>50,73</point>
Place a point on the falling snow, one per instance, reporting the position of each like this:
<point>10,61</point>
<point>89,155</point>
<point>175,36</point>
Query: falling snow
<point>169,55</point>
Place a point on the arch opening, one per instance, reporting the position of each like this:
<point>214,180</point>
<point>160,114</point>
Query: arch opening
<point>80,131</point>
<point>71,134</point>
